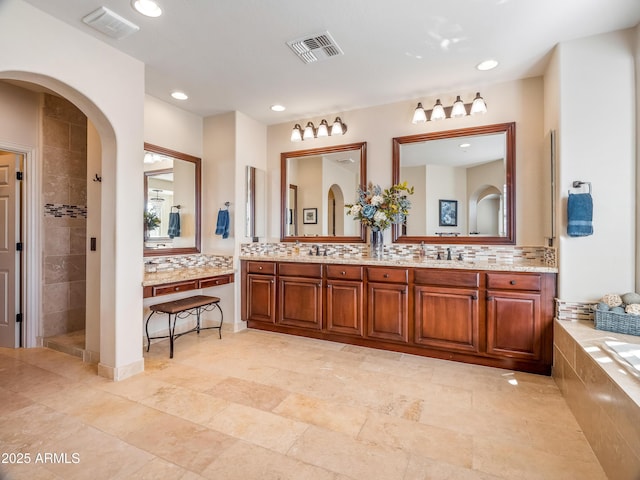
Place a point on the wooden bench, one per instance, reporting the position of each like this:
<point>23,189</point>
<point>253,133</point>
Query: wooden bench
<point>183,308</point>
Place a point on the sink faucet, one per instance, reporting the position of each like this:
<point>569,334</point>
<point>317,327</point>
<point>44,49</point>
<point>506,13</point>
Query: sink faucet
<point>449,253</point>
<point>316,248</point>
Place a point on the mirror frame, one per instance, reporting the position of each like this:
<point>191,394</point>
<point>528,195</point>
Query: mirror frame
<point>510,130</point>
<point>155,252</point>
<point>284,191</point>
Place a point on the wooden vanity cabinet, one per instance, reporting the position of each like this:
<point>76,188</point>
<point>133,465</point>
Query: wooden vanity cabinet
<point>345,300</point>
<point>260,302</point>
<point>494,318</point>
<point>388,304</point>
<point>447,309</point>
<point>300,295</point>
<point>515,323</point>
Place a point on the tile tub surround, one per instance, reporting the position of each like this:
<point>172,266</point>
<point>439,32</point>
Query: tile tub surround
<point>602,394</point>
<point>515,259</point>
<point>486,255</point>
<point>264,405</point>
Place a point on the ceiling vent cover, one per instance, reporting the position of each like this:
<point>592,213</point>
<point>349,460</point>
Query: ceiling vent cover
<point>110,23</point>
<point>313,48</point>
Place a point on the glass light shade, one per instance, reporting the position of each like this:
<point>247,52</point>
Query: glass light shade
<point>338,128</point>
<point>419,116</point>
<point>296,133</point>
<point>458,109</point>
<point>309,131</point>
<point>323,129</point>
<point>478,105</point>
<point>438,112</point>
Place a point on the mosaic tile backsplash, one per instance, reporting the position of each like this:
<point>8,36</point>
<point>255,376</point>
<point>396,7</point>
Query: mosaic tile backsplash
<point>62,210</point>
<point>544,256</point>
<point>174,262</point>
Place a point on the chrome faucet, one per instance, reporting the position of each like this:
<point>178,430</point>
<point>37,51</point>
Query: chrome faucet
<point>449,253</point>
<point>316,248</point>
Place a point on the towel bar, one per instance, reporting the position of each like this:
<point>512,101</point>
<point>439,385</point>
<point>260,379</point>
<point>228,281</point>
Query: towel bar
<point>579,183</point>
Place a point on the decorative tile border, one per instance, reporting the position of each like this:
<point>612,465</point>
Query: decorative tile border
<point>174,262</point>
<point>544,256</point>
<point>62,210</point>
<point>574,310</point>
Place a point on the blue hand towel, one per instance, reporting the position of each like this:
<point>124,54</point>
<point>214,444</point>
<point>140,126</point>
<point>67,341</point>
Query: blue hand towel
<point>580,215</point>
<point>174,225</point>
<point>222,225</point>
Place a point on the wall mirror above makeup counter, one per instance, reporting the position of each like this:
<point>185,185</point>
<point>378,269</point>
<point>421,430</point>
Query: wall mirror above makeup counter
<point>464,185</point>
<point>315,186</point>
<point>171,202</point>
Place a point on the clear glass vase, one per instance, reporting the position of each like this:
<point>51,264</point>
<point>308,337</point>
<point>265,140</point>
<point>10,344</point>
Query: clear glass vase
<point>376,244</point>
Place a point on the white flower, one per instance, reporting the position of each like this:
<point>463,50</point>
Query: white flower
<point>377,200</point>
<point>355,210</point>
<point>379,217</point>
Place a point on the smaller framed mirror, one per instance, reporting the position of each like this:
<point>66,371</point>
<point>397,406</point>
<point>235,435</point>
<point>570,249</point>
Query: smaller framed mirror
<point>171,201</point>
<point>315,185</point>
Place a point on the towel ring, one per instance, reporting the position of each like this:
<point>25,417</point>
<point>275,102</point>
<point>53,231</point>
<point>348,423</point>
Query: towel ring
<point>578,184</point>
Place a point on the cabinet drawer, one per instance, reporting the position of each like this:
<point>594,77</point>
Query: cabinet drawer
<point>394,275</point>
<point>446,278</point>
<point>514,281</point>
<point>300,270</point>
<point>212,282</point>
<point>175,287</point>
<point>267,268</point>
<point>344,272</point>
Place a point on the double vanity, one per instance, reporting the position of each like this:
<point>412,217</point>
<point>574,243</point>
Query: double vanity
<point>490,314</point>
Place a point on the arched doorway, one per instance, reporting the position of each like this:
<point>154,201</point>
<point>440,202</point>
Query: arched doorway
<point>335,211</point>
<point>486,206</point>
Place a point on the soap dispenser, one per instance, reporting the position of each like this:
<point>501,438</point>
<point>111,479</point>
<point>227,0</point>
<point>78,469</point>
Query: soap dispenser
<point>296,248</point>
<point>421,252</point>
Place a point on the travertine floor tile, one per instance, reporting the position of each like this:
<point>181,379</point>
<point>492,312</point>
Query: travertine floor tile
<point>261,405</point>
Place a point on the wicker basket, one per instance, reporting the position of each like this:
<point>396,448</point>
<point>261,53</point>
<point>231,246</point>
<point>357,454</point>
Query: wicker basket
<point>617,322</point>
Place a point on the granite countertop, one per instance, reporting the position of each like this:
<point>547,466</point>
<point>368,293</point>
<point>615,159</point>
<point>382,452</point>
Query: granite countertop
<point>183,274</point>
<point>408,262</point>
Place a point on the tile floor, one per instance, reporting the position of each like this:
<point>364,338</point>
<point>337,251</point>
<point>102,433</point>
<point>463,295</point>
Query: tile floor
<point>259,405</point>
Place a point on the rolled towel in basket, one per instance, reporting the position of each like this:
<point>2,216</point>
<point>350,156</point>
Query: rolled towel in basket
<point>580,215</point>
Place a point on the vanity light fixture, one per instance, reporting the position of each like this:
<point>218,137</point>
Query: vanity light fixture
<point>310,131</point>
<point>148,8</point>
<point>296,133</point>
<point>457,110</point>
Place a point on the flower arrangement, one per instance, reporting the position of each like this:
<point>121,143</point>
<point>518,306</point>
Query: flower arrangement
<point>379,209</point>
<point>151,220</point>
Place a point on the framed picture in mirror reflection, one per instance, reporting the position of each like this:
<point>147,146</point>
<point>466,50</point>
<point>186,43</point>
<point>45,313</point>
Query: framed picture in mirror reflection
<point>448,213</point>
<point>309,215</point>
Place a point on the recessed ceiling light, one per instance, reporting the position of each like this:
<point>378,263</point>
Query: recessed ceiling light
<point>148,8</point>
<point>179,95</point>
<point>465,145</point>
<point>487,65</point>
<point>278,108</point>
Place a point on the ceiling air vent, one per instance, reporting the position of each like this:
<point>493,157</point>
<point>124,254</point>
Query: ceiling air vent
<point>110,23</point>
<point>313,48</point>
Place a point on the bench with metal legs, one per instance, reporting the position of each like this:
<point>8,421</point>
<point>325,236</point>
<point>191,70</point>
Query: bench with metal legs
<point>184,308</point>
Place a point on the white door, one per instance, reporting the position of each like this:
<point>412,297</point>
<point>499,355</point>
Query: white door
<point>9,258</point>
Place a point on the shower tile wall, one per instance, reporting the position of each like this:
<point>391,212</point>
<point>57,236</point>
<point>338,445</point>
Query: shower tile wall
<point>64,153</point>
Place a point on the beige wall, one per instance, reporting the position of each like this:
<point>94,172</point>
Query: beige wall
<point>108,87</point>
<point>518,101</point>
<point>592,73</point>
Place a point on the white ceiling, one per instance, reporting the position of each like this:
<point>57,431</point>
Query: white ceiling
<point>232,54</point>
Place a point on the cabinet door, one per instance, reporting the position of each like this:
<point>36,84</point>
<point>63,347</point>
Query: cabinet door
<point>514,324</point>
<point>261,298</point>
<point>300,301</point>
<point>446,318</point>
<point>344,307</point>
<point>387,311</point>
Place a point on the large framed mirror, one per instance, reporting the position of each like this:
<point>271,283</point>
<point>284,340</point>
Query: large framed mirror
<point>315,186</point>
<point>464,185</point>
<point>171,201</point>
